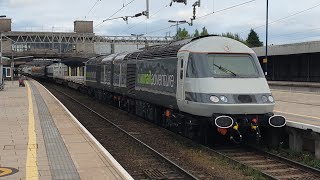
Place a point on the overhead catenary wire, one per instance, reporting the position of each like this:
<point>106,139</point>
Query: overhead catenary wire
<point>227,8</point>
<point>298,32</point>
<point>286,17</point>
<point>158,30</point>
<point>144,19</point>
<point>115,13</point>
<point>292,40</point>
<point>94,5</point>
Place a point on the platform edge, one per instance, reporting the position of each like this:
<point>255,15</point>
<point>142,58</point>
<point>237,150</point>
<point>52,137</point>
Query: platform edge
<point>303,126</point>
<point>124,173</point>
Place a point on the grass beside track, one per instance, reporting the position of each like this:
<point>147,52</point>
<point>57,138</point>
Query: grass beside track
<point>302,157</point>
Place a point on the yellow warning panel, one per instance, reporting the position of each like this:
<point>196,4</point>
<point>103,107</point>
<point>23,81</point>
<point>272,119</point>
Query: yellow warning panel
<point>7,171</point>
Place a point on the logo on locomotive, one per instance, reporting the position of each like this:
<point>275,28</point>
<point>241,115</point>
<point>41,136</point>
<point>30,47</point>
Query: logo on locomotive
<point>91,75</point>
<point>156,79</point>
<point>157,75</point>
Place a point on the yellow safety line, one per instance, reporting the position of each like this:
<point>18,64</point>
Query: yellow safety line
<point>31,165</point>
<point>313,117</point>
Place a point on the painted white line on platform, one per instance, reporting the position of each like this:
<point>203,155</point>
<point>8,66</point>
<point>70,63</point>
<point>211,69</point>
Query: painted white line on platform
<point>106,153</point>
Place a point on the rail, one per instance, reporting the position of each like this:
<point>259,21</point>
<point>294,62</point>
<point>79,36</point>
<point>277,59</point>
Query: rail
<point>270,165</point>
<point>185,173</point>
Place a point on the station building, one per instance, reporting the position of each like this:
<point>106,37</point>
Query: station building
<point>292,62</point>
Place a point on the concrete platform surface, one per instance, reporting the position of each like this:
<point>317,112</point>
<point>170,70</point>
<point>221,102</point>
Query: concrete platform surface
<point>294,84</point>
<point>300,107</point>
<point>40,139</point>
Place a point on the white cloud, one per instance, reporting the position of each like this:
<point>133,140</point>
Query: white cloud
<point>23,3</point>
<point>45,14</point>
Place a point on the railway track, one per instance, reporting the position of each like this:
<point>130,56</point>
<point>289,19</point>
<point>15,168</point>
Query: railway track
<point>139,159</point>
<point>272,166</point>
<point>152,163</point>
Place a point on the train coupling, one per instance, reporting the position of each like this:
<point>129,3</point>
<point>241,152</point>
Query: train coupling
<point>226,125</point>
<point>235,135</point>
<point>255,128</point>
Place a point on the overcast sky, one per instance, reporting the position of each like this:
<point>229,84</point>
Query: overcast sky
<point>58,15</point>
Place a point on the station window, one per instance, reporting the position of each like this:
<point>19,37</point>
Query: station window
<point>8,72</point>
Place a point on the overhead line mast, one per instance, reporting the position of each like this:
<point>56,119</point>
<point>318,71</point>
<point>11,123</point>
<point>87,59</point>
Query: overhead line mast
<point>147,9</point>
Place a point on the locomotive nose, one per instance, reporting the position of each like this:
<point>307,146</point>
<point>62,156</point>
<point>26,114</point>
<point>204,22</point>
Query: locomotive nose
<point>277,121</point>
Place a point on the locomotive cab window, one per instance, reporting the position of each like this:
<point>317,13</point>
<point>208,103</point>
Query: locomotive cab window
<point>222,65</point>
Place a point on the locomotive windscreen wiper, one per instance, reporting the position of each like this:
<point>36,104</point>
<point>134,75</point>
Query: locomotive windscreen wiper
<point>225,69</point>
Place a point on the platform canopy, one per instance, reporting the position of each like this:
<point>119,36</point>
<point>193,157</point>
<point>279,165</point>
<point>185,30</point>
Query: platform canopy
<point>74,61</point>
<point>6,60</point>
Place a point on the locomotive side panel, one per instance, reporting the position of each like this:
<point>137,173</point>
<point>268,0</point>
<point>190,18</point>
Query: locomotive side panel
<point>91,75</point>
<point>106,74</point>
<point>119,77</point>
<point>156,81</point>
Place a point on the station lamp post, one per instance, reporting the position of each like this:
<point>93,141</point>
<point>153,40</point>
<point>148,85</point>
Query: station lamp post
<point>1,63</point>
<point>177,25</point>
<point>137,38</point>
<point>265,61</point>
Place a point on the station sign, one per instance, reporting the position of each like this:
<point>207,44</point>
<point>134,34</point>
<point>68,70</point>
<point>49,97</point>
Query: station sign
<point>7,171</point>
<point>265,60</point>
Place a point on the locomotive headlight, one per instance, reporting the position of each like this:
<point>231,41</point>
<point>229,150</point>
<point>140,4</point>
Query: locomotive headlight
<point>271,98</point>
<point>264,99</point>
<point>224,99</point>
<point>214,99</point>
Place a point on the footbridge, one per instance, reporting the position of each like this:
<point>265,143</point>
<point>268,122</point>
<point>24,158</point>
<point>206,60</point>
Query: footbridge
<point>66,45</point>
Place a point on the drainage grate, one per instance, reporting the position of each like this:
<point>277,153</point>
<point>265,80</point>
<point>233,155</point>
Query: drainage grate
<point>155,174</point>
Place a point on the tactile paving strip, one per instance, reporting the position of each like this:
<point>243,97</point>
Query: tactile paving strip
<point>61,164</point>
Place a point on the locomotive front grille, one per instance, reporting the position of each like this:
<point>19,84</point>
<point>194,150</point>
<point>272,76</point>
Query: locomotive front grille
<point>245,99</point>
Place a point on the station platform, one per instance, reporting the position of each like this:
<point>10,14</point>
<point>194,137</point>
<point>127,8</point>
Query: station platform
<point>313,87</point>
<point>298,106</point>
<point>294,84</point>
<point>40,139</point>
<point>299,102</point>
<point>301,109</point>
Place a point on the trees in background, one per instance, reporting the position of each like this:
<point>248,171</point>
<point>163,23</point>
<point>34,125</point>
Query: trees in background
<point>182,33</point>
<point>251,41</point>
<point>196,33</point>
<point>204,32</point>
<point>234,36</point>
